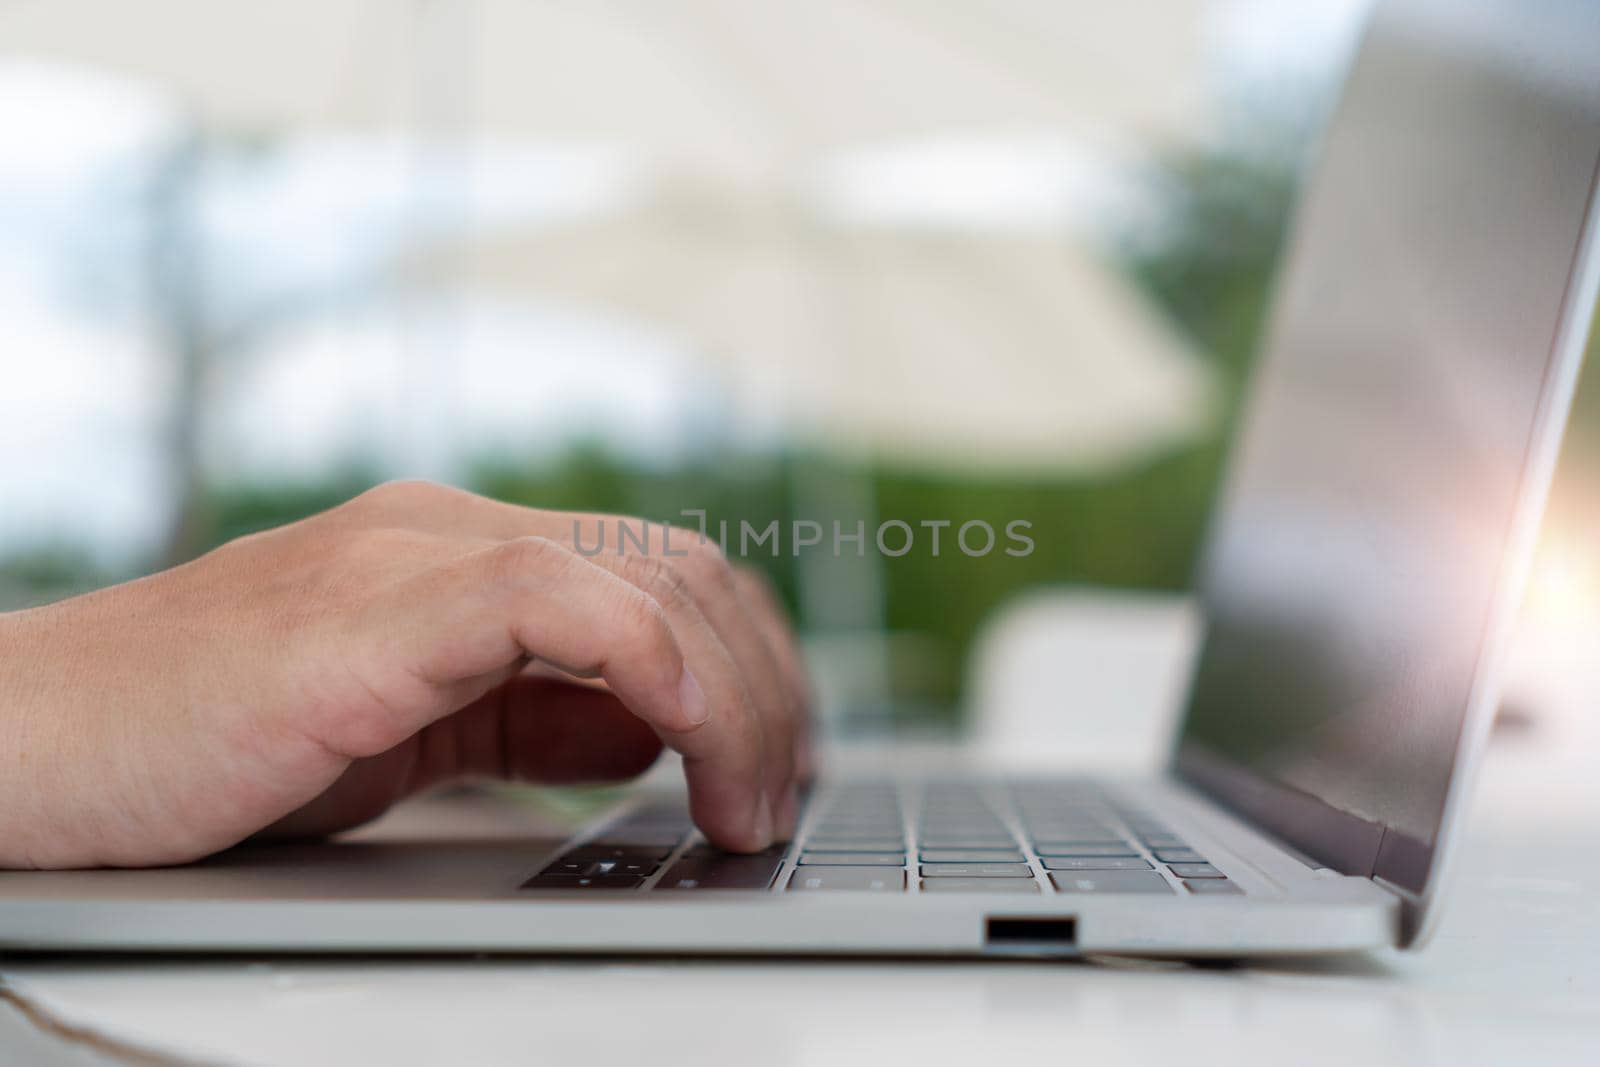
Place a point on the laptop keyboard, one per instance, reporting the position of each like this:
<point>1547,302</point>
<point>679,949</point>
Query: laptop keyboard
<point>957,837</point>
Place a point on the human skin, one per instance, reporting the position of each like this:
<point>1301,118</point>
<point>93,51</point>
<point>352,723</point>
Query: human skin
<point>300,681</point>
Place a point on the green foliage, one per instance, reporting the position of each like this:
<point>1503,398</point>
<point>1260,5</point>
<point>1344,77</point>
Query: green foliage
<point>1138,530</point>
<point>1211,266</point>
<point>44,574</point>
<point>237,510</point>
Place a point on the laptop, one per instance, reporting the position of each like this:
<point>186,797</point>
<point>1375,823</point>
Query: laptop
<point>1359,586</point>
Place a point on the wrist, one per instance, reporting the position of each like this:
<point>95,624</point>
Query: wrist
<point>19,698</point>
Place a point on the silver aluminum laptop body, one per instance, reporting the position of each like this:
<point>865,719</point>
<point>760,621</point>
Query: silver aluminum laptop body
<point>1361,579</point>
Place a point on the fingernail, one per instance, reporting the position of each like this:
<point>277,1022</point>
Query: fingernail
<point>692,699</point>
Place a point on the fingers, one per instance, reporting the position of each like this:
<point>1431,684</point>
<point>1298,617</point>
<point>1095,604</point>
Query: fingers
<point>708,572</point>
<point>761,599</point>
<point>672,566</point>
<point>447,636</point>
<point>675,566</point>
<point>730,683</point>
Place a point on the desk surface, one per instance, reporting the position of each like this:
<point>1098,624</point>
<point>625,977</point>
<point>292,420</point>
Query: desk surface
<point>1514,974</point>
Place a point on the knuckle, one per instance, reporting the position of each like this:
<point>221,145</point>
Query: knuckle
<point>708,562</point>
<point>517,561</point>
<point>664,583</point>
<point>405,493</point>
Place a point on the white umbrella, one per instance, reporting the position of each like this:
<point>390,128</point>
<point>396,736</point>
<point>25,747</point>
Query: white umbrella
<point>730,84</point>
<point>944,349</point>
<point>869,338</point>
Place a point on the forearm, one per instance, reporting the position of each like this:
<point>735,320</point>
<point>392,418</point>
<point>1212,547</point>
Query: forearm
<point>28,756</point>
<point>103,758</point>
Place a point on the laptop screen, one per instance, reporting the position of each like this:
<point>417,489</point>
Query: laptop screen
<point>1352,574</point>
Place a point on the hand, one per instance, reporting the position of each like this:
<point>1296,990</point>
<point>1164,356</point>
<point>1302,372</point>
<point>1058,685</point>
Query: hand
<point>300,681</point>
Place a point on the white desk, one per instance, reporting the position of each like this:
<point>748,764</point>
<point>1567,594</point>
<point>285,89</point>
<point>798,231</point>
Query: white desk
<point>1513,976</point>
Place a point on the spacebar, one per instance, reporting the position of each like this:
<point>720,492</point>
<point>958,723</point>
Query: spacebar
<point>721,872</point>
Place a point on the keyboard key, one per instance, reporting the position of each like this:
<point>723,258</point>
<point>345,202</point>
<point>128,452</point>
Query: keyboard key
<point>975,841</point>
<point>1163,841</point>
<point>650,827</point>
<point>639,839</point>
<point>864,879</point>
<point>1069,839</point>
<point>1110,882</point>
<point>970,855</point>
<point>976,870</point>
<point>579,881</point>
<point>1196,870</point>
<point>1086,850</point>
<point>1179,855</point>
<point>594,852</point>
<point>724,871</point>
<point>1059,837</point>
<point>656,818</point>
<point>584,863</point>
<point>1095,863</point>
<point>865,844</point>
<point>1061,828</point>
<point>853,859</point>
<point>1214,886</point>
<point>1145,830</point>
<point>779,849</point>
<point>979,885</point>
<point>855,841</point>
<point>638,868</point>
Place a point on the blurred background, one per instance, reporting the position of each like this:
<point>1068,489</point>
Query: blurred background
<point>854,260</point>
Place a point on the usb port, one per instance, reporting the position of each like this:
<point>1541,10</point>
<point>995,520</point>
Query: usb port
<point>1031,936</point>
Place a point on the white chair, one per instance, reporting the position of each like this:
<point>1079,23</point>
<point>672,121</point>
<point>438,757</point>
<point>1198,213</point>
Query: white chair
<point>1090,678</point>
